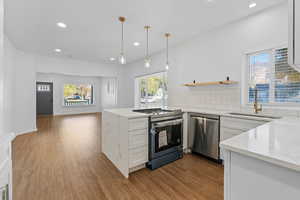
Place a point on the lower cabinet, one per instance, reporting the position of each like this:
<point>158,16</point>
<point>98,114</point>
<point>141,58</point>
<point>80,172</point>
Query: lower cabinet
<point>138,147</point>
<point>227,133</point>
<point>231,127</point>
<point>125,142</point>
<point>138,156</point>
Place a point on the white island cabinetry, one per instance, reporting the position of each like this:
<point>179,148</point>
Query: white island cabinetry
<point>263,163</point>
<point>125,139</point>
<point>232,126</point>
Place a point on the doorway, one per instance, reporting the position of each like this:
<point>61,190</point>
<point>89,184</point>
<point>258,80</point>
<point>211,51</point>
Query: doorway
<point>44,98</point>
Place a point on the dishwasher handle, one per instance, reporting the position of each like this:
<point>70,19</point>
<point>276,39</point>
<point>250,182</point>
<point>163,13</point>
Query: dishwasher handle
<point>204,122</point>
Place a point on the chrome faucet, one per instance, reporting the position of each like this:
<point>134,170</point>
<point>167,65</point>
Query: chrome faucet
<point>257,108</point>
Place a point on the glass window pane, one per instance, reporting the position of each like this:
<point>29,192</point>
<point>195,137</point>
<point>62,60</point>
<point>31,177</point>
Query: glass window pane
<point>287,79</point>
<point>43,88</point>
<point>78,94</point>
<point>155,90</point>
<point>152,90</point>
<point>260,68</point>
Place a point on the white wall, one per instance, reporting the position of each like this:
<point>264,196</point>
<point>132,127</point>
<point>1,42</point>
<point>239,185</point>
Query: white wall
<point>213,56</point>
<point>2,69</point>
<point>6,108</point>
<point>60,65</point>
<point>20,81</point>
<point>109,92</point>
<point>3,152</point>
<point>25,98</point>
<point>66,66</point>
<point>9,81</point>
<point>26,68</point>
<point>59,80</point>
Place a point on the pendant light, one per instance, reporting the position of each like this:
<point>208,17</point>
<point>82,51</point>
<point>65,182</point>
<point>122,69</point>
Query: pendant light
<point>147,58</point>
<point>122,58</point>
<point>167,35</point>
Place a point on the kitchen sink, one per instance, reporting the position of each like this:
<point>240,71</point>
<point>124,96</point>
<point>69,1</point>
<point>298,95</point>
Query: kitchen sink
<point>254,115</point>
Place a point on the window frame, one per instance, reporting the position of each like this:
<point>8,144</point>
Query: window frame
<point>246,80</point>
<point>137,104</point>
<point>78,105</point>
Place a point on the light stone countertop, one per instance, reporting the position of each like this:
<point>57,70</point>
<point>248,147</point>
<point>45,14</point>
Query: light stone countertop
<point>276,142</point>
<point>127,112</point>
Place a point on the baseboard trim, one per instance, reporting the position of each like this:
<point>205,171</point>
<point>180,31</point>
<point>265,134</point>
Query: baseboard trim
<point>12,137</point>
<point>26,132</point>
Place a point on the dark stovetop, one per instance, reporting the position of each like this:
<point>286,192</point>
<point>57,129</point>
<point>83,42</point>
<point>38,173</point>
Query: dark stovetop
<point>154,111</point>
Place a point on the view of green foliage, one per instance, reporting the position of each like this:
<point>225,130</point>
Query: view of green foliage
<point>153,84</point>
<point>81,90</point>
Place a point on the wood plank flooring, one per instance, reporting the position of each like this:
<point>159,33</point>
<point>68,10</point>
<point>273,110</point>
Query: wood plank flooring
<point>63,161</point>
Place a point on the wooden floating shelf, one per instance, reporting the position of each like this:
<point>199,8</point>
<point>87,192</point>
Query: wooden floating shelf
<point>211,83</point>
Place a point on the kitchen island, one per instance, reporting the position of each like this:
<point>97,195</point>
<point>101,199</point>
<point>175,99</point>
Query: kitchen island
<point>125,139</point>
<point>127,142</point>
<point>264,163</point>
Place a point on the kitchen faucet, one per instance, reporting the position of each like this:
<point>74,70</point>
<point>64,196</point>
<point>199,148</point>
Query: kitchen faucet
<point>257,108</point>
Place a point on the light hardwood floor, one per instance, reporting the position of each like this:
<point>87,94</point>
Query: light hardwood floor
<point>63,161</point>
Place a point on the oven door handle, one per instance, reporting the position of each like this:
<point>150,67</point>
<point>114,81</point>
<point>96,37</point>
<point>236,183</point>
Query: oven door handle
<point>168,123</point>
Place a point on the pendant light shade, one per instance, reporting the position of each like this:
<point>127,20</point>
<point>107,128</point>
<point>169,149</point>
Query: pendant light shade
<point>122,58</point>
<point>167,35</point>
<point>147,58</point>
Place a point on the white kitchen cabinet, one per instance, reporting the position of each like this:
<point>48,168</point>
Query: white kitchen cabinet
<point>248,178</point>
<point>294,33</point>
<point>125,141</point>
<point>232,126</point>
<point>185,131</point>
<point>227,133</point>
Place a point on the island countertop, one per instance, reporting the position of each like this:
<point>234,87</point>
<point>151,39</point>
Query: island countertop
<point>277,142</point>
<point>129,113</point>
<point>126,112</point>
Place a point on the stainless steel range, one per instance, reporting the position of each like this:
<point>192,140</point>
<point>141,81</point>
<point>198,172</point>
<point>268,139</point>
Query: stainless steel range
<point>165,136</point>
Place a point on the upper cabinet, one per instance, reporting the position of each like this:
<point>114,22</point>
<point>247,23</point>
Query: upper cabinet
<point>294,35</point>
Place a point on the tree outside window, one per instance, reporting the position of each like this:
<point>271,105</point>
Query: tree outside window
<point>78,94</point>
<point>151,90</point>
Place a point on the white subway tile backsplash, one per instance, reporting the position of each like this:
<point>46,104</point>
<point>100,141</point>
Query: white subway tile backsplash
<point>220,98</point>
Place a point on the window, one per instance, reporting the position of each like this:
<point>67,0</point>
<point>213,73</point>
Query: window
<point>43,88</point>
<point>275,80</point>
<point>151,90</point>
<point>78,94</point>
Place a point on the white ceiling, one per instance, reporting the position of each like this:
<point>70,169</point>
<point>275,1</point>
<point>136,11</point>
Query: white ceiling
<point>93,31</point>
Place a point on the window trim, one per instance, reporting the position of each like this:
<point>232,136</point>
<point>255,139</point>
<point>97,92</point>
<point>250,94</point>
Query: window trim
<point>136,85</point>
<point>79,105</point>
<point>245,80</point>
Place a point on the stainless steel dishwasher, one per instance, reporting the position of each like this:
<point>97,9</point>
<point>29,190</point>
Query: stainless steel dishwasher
<point>204,135</point>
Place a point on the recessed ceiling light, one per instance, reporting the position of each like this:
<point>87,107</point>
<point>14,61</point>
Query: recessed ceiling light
<point>252,5</point>
<point>61,25</point>
<point>112,59</point>
<point>136,44</point>
<point>57,50</point>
